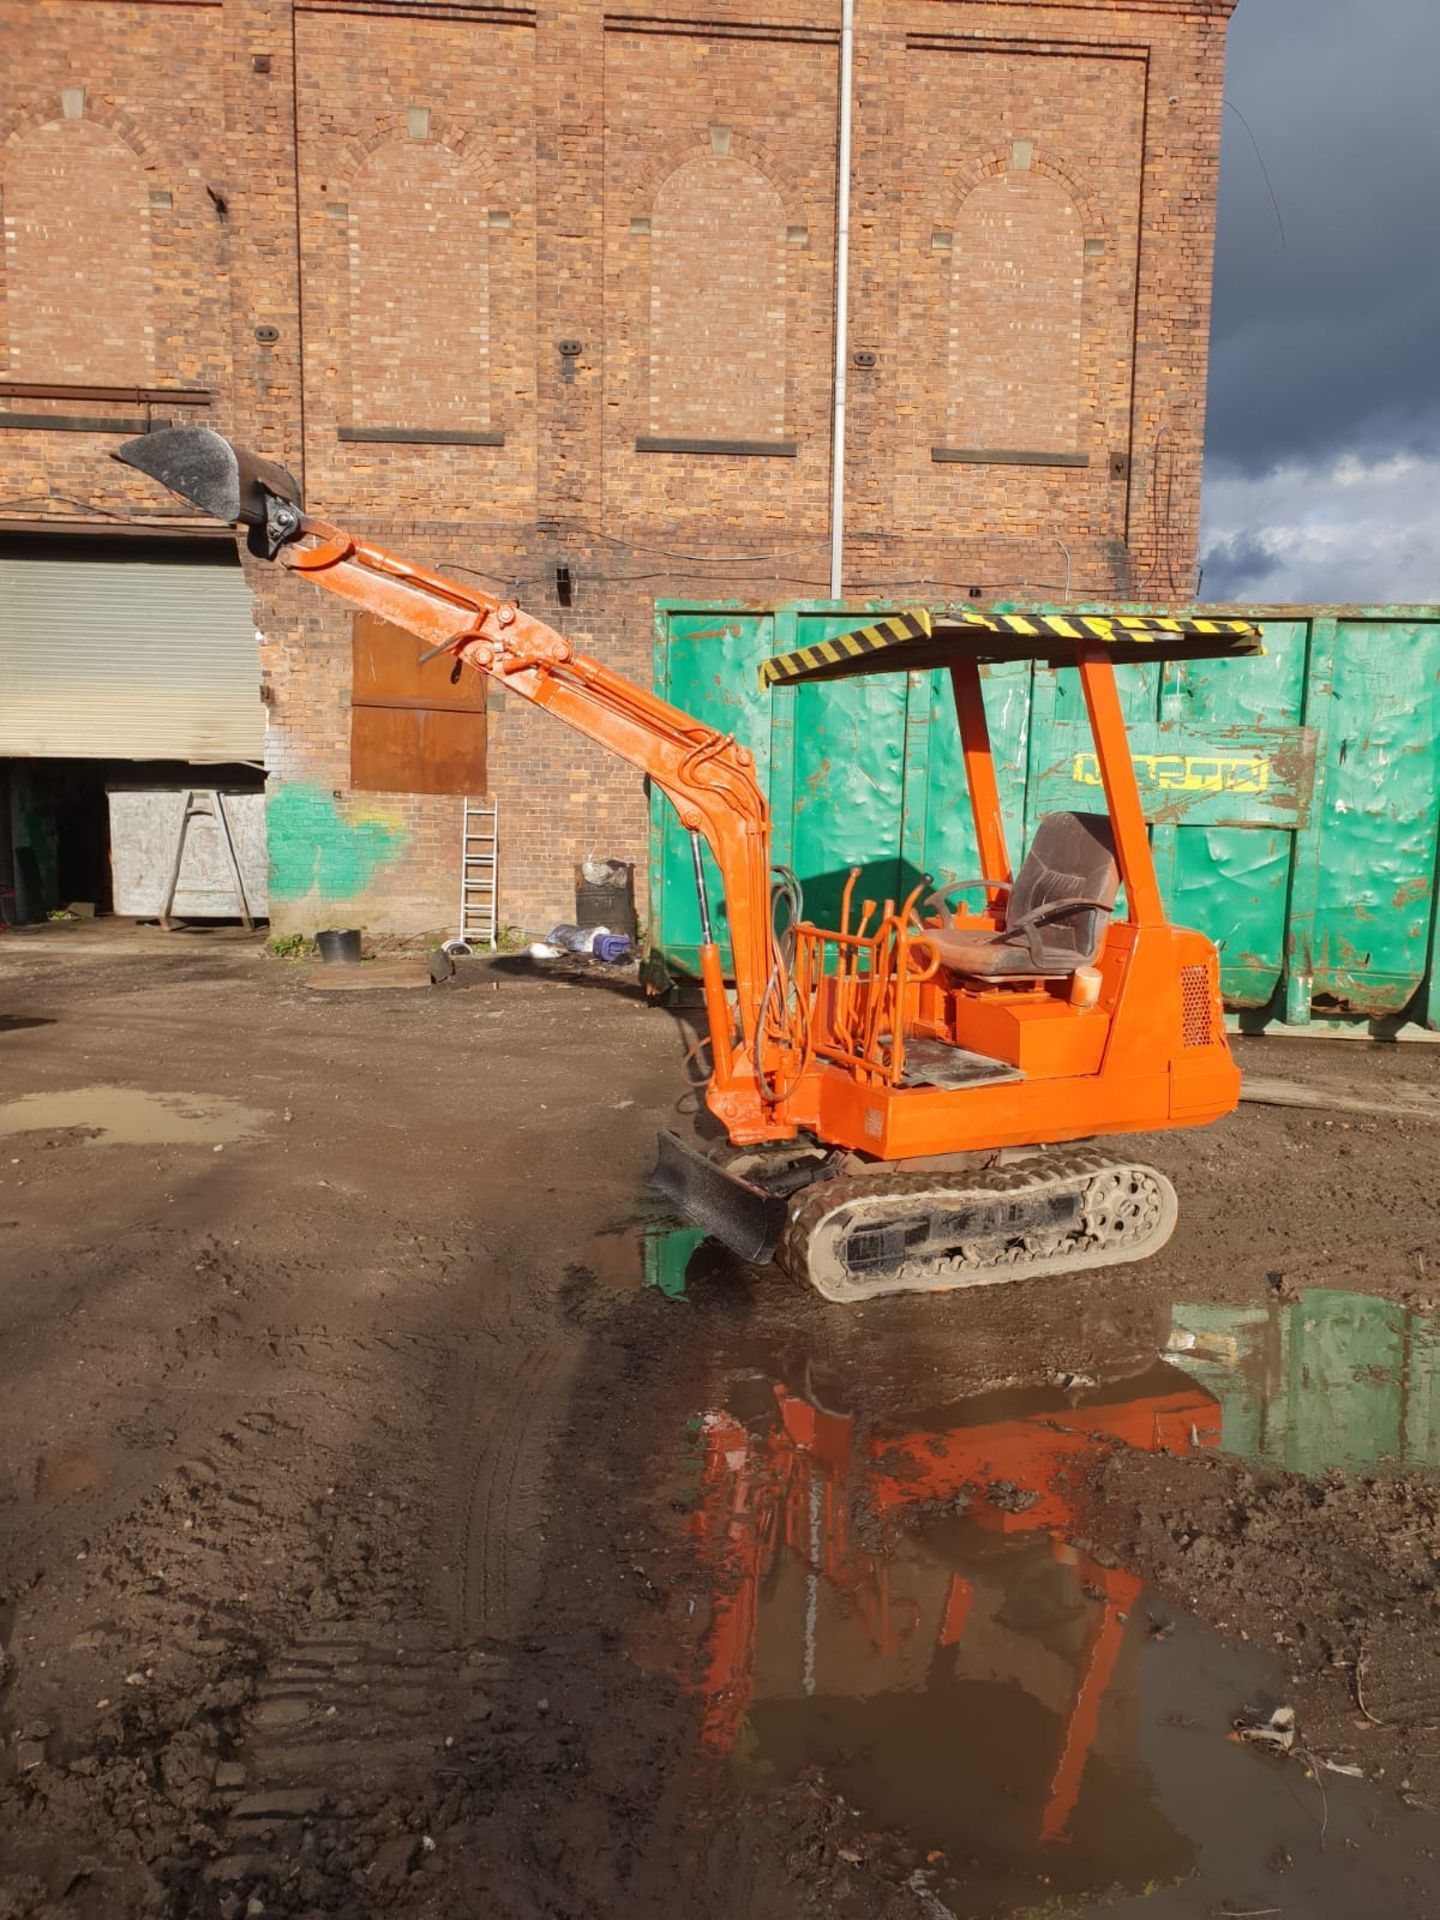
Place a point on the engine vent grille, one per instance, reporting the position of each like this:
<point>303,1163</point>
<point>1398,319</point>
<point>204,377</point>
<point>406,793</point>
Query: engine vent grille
<point>1197,1007</point>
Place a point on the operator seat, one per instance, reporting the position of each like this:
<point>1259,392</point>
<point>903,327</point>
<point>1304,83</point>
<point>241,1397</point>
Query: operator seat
<point>1056,909</point>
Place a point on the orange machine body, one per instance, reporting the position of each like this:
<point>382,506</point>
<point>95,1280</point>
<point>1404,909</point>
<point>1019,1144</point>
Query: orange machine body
<point>1150,1053</point>
<point>820,1047</point>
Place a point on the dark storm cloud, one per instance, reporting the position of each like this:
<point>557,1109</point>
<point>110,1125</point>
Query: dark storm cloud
<point>1322,462</point>
<point>1328,345</point>
<point>1239,567</point>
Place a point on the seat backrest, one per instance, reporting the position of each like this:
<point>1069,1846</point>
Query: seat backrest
<point>1071,857</point>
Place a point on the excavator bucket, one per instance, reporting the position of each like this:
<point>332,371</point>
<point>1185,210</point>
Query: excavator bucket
<point>229,483</point>
<point>741,1217</point>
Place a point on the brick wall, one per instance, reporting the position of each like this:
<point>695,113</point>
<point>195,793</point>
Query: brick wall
<point>74,188</point>
<point>456,187</point>
<point>715,366</point>
<point>1017,273</point>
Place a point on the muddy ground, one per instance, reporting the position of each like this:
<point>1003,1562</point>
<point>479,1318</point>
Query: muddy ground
<point>374,1540</point>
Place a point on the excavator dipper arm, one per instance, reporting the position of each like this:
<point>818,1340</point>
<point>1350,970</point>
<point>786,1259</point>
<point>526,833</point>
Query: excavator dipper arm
<point>707,776</point>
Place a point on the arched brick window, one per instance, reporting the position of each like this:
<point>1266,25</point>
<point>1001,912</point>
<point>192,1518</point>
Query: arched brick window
<point>77,258</point>
<point>1015,317</point>
<point>717,303</point>
<point>419,291</point>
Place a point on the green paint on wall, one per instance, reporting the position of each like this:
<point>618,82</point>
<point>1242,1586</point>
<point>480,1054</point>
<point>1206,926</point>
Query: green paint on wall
<point>314,849</point>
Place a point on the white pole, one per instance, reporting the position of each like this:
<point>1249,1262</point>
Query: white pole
<point>842,304</point>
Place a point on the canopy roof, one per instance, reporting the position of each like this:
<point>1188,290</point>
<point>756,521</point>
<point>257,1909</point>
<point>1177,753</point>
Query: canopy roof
<point>918,639</point>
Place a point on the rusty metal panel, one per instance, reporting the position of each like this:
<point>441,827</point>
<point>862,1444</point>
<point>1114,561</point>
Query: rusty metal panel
<point>938,823</point>
<point>1231,776</point>
<point>705,662</point>
<point>1294,798</point>
<point>865,774</point>
<point>848,783</point>
<point>412,728</point>
<point>1226,775</point>
<point>1232,878</point>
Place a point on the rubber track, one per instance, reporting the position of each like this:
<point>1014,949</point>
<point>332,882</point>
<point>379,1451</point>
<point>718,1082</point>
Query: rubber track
<point>1065,1163</point>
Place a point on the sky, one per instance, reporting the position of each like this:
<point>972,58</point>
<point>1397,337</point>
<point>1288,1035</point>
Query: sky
<point>1322,464</point>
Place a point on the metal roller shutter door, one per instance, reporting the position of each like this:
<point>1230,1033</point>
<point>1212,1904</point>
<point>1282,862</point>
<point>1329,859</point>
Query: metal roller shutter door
<point>143,659</point>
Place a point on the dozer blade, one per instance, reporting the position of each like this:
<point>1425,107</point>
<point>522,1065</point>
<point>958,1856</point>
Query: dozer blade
<point>740,1216</point>
<point>229,483</point>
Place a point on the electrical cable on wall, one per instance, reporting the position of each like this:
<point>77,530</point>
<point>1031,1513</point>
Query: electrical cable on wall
<point>693,566</point>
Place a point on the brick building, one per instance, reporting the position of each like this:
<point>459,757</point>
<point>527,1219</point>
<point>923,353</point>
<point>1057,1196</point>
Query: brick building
<point>547,291</point>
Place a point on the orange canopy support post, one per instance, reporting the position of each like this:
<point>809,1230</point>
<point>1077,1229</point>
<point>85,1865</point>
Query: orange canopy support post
<point>1121,1592</point>
<point>980,769</point>
<point>1122,790</point>
<point>957,1610</point>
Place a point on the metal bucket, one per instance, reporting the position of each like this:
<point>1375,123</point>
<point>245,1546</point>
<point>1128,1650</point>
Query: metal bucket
<point>608,903</point>
<point>339,945</point>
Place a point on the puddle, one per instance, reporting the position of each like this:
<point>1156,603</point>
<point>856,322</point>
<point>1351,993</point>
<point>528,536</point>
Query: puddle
<point>1325,1380</point>
<point>58,1475</point>
<point>915,1611</point>
<point>125,1116</point>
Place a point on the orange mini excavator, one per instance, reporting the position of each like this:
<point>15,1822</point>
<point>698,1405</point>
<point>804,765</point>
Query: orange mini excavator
<point>872,1074</point>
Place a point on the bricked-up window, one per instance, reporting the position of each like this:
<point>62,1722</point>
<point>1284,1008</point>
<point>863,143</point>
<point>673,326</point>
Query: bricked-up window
<point>717,304</point>
<point>411,730</point>
<point>1015,317</point>
<point>419,292</point>
<point>77,258</point>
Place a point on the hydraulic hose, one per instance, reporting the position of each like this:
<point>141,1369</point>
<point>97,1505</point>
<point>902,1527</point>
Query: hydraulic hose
<point>780,986</point>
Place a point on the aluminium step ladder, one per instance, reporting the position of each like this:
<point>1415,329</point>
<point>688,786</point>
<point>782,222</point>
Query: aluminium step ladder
<point>205,803</point>
<point>479,874</point>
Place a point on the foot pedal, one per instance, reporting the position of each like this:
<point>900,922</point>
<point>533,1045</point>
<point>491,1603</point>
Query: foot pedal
<point>931,1063</point>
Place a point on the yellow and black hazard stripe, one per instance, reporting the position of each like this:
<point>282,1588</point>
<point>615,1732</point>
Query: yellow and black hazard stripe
<point>1137,628</point>
<point>1155,626</point>
<point>891,631</point>
<point>967,626</point>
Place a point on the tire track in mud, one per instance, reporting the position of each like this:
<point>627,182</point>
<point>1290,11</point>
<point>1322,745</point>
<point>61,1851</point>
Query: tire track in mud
<point>289,1514</point>
<point>359,1737</point>
<point>504,1454</point>
<point>368,1739</point>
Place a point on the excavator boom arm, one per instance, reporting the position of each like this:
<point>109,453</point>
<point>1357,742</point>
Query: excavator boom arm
<point>707,776</point>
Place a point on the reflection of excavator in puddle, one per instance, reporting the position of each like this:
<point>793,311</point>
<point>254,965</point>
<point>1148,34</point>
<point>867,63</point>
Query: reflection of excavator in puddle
<point>851,1063</point>
<point>805,1607</point>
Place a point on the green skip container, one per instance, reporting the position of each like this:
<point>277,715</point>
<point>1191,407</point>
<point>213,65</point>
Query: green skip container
<point>1294,799</point>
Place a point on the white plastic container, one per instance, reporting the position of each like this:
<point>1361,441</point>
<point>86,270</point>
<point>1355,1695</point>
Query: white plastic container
<point>1084,987</point>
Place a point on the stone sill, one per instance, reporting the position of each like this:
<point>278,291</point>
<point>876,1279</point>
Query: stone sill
<point>76,423</point>
<point>423,436</point>
<point>1005,457</point>
<point>737,449</point>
